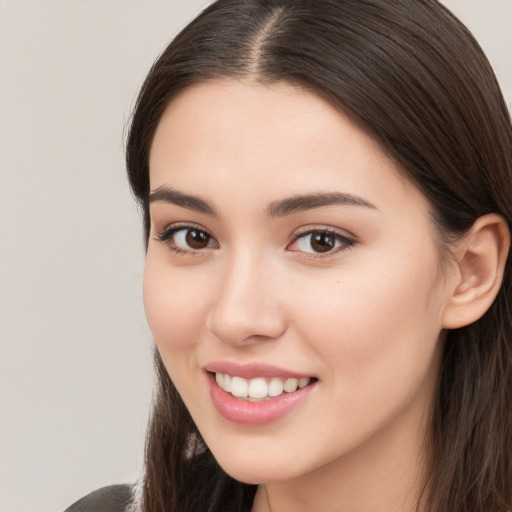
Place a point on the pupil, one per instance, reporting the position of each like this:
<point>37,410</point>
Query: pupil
<point>322,242</point>
<point>197,239</point>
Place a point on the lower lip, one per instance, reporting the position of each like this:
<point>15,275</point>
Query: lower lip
<point>243,412</point>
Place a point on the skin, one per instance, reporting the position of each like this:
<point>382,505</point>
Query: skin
<point>365,319</point>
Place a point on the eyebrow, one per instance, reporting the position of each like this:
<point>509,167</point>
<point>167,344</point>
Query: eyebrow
<point>169,195</point>
<point>305,202</point>
<point>279,208</point>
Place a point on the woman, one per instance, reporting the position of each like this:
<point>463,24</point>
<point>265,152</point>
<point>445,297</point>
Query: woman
<point>326,197</point>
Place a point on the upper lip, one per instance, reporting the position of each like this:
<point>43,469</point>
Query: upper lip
<point>252,370</point>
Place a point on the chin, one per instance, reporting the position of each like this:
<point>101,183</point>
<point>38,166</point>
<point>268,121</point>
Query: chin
<point>249,469</point>
<point>254,475</point>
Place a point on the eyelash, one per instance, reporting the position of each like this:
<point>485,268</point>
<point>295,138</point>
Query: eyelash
<point>166,236</point>
<point>168,233</point>
<point>345,243</point>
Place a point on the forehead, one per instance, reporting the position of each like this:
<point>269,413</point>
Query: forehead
<point>266,142</point>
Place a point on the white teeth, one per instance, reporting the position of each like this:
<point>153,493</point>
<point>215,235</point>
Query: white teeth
<point>275,387</point>
<point>259,388</point>
<point>303,382</point>
<point>291,385</point>
<point>227,383</point>
<point>239,387</point>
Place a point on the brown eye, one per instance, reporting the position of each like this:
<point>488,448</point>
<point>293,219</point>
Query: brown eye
<point>183,239</point>
<point>196,239</point>
<point>322,242</point>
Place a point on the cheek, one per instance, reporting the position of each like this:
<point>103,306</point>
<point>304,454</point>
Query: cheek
<point>383,318</point>
<point>174,307</point>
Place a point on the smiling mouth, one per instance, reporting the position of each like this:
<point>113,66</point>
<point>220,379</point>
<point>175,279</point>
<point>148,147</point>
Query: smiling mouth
<point>260,388</point>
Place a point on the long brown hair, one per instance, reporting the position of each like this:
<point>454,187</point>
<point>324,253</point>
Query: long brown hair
<point>413,77</point>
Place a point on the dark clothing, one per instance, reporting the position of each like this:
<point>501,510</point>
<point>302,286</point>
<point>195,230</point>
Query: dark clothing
<point>114,498</point>
<point>212,493</point>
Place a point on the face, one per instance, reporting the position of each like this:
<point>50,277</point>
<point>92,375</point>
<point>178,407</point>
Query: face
<point>291,262</point>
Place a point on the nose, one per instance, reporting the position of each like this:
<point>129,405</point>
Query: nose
<point>246,308</point>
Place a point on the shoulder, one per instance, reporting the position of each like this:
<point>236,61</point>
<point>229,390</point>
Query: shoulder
<point>114,498</point>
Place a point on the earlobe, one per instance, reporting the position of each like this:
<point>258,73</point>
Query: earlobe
<point>481,258</point>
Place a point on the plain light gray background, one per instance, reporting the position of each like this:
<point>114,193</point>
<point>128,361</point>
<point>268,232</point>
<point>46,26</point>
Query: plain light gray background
<point>75,364</point>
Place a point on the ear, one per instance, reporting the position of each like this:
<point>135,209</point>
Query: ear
<point>480,263</point>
